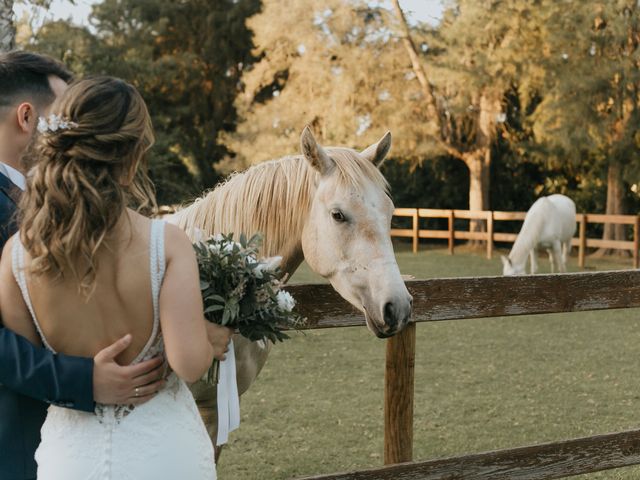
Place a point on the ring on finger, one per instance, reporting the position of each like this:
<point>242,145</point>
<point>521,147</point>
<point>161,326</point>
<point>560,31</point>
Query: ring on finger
<point>136,392</point>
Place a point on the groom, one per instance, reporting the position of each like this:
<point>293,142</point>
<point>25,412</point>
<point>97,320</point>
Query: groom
<point>32,377</point>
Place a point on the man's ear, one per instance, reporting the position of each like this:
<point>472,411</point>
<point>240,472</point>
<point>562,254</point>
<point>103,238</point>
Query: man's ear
<point>26,117</point>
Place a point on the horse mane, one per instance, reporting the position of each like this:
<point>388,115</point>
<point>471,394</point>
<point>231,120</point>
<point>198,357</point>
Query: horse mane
<point>272,198</point>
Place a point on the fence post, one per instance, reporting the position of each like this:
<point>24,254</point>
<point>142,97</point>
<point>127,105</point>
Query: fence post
<point>398,396</point>
<point>582,245</point>
<point>490,234</point>
<point>415,231</point>
<point>451,232</point>
<point>636,241</point>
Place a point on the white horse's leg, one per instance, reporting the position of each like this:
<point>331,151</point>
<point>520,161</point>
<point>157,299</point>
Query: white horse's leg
<point>556,254</point>
<point>552,263</point>
<point>533,256</point>
<point>566,251</point>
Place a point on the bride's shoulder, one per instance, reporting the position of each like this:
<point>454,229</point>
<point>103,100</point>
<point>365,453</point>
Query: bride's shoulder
<point>176,241</point>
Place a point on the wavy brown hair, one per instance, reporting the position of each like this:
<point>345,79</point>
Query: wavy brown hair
<point>83,178</point>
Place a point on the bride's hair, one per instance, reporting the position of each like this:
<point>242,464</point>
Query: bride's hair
<point>84,176</point>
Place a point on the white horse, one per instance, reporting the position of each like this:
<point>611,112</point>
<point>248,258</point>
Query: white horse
<point>329,207</point>
<point>550,223</point>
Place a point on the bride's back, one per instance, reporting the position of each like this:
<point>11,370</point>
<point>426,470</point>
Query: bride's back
<point>121,302</point>
<point>87,255</point>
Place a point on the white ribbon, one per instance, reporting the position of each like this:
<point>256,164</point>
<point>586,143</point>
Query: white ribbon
<point>228,398</point>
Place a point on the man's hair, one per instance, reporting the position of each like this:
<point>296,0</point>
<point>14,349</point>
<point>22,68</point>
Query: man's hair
<point>24,77</point>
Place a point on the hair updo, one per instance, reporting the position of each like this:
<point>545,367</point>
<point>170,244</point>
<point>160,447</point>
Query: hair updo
<point>84,177</point>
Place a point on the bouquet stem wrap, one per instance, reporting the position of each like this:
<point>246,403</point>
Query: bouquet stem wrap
<point>228,398</point>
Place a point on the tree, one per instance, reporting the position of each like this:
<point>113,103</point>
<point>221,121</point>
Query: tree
<point>590,112</point>
<point>7,28</point>
<point>466,69</point>
<point>336,67</point>
<point>186,58</point>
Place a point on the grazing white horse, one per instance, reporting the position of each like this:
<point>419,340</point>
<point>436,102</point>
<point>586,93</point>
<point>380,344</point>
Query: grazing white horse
<point>329,207</point>
<point>550,223</point>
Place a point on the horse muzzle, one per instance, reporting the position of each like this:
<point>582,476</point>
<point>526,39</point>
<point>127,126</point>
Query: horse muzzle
<point>390,318</point>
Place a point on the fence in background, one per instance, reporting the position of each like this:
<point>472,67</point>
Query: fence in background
<point>490,235</point>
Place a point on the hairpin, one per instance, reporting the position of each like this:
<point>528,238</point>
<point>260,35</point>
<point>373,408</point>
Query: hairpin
<point>53,123</point>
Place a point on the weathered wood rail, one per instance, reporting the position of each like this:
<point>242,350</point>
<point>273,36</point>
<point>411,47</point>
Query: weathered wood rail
<point>476,298</point>
<point>490,236</point>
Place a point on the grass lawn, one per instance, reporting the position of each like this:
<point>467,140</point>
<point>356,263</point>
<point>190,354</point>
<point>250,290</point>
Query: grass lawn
<point>480,384</point>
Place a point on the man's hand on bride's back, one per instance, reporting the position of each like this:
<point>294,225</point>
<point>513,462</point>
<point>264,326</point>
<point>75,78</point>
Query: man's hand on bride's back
<point>128,385</point>
<point>219,338</point>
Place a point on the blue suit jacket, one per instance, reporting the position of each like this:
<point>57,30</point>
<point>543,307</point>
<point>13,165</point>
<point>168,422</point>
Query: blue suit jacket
<point>31,378</point>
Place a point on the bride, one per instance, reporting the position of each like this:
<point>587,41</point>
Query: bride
<point>84,270</point>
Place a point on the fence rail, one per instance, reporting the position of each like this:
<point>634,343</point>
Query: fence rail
<point>477,298</point>
<point>490,236</point>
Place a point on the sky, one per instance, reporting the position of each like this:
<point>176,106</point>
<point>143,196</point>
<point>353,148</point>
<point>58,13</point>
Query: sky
<point>429,11</point>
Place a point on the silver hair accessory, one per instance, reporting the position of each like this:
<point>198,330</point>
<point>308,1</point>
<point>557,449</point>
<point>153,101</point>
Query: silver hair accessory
<point>53,123</point>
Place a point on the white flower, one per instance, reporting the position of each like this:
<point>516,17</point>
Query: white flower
<point>54,122</point>
<point>285,301</point>
<point>268,265</point>
<point>42,124</point>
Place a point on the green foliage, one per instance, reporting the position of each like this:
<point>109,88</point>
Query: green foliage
<point>241,292</point>
<point>186,58</point>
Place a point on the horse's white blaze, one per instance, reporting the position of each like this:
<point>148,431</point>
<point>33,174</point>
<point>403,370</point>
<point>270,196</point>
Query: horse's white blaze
<point>550,223</point>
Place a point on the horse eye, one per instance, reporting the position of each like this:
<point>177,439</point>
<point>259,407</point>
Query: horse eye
<point>338,216</point>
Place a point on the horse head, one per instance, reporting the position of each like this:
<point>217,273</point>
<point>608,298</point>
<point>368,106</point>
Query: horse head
<point>346,238</point>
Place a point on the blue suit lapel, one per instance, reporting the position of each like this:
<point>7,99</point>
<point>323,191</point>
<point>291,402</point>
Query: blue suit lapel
<point>9,189</point>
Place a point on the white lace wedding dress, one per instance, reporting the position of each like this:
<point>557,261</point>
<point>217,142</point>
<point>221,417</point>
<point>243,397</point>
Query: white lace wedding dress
<point>161,439</point>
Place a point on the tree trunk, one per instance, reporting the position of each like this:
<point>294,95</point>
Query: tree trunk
<point>479,164</point>
<point>7,28</point>
<point>615,206</point>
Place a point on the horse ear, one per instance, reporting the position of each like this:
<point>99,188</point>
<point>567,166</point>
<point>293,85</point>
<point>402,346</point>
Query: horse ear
<point>314,153</point>
<point>377,152</point>
<point>505,260</point>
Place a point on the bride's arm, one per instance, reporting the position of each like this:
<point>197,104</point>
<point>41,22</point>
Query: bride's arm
<point>183,326</point>
<point>13,311</point>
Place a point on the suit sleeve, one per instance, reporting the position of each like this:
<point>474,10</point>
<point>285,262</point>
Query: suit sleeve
<point>58,379</point>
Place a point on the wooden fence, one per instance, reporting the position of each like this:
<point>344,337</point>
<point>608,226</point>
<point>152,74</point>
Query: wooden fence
<point>482,297</point>
<point>490,236</point>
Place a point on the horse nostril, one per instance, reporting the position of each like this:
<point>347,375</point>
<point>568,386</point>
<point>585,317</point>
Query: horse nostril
<point>390,319</point>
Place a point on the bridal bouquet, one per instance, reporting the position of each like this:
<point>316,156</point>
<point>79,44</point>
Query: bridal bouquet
<point>244,292</point>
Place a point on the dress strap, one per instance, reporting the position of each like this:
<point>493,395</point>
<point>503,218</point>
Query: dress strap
<point>157,263</point>
<point>17,265</point>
